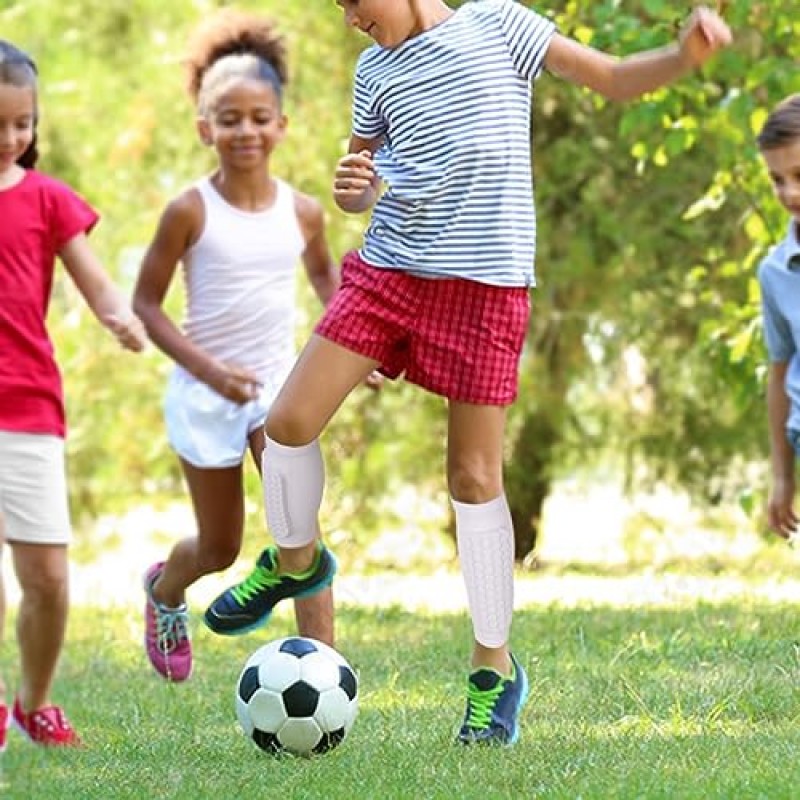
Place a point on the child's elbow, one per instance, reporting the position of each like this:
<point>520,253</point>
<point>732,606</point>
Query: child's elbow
<point>143,309</point>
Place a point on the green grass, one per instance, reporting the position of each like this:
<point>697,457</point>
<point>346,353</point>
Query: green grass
<point>693,702</point>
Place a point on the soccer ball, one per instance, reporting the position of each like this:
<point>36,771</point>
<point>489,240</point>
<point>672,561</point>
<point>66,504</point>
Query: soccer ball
<point>296,695</point>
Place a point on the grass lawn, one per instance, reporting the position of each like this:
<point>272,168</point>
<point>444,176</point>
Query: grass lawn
<point>700,701</point>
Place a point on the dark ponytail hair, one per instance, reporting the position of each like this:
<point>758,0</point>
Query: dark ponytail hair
<point>17,68</point>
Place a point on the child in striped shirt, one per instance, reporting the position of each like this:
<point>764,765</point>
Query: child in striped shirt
<point>439,290</point>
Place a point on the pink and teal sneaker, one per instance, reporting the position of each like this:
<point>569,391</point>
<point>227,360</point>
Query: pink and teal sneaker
<point>166,633</point>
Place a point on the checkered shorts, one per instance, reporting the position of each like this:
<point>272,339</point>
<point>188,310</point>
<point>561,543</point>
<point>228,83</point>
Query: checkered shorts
<point>457,338</point>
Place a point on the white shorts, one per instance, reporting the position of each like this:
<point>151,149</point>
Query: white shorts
<point>33,489</point>
<point>205,428</point>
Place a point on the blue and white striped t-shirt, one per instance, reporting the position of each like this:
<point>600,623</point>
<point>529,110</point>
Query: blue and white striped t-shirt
<point>453,106</point>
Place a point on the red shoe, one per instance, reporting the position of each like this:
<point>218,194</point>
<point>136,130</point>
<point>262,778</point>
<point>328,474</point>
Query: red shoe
<point>46,726</point>
<point>4,723</point>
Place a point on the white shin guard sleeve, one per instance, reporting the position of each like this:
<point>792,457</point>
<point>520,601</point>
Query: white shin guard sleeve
<point>293,479</point>
<point>485,537</point>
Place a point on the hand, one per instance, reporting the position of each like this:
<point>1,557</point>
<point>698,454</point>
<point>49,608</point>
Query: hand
<point>354,181</point>
<point>780,510</point>
<point>128,330</point>
<point>702,35</point>
<point>235,383</point>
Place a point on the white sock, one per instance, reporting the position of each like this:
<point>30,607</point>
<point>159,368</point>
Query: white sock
<point>293,480</point>
<point>485,538</point>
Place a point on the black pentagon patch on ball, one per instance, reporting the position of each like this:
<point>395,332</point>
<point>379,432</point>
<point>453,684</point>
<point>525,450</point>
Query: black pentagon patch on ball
<point>248,684</point>
<point>329,741</point>
<point>267,741</point>
<point>298,647</point>
<point>347,681</point>
<point>300,700</point>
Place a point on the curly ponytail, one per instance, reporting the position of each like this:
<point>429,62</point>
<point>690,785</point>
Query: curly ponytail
<point>234,44</point>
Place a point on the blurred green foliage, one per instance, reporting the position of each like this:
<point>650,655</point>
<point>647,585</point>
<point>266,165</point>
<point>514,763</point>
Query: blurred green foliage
<point>652,218</point>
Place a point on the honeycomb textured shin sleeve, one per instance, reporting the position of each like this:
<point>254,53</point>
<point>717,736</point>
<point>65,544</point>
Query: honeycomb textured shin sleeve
<point>485,537</point>
<point>293,479</point>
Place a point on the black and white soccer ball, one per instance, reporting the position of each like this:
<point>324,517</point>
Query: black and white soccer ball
<point>297,695</point>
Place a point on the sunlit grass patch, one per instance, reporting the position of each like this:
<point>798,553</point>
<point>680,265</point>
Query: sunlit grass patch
<point>698,701</point>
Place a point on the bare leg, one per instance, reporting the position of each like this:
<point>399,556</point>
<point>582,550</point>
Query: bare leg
<point>218,502</point>
<point>314,616</point>
<point>475,476</point>
<point>322,378</point>
<point>42,571</point>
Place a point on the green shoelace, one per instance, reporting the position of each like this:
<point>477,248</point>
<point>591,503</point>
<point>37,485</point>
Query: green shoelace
<point>262,578</point>
<point>481,705</point>
<point>256,582</point>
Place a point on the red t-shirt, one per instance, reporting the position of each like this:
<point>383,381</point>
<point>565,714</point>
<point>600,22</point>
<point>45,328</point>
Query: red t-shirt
<point>38,217</point>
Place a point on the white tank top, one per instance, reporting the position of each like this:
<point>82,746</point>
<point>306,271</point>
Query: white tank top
<point>240,283</point>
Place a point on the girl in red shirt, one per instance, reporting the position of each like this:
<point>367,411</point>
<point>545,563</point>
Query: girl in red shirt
<point>42,219</point>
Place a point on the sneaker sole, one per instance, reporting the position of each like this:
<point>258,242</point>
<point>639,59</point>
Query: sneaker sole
<point>523,698</point>
<point>211,621</point>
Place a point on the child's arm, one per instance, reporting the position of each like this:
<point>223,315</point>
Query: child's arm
<point>103,297</point>
<point>703,34</point>
<point>320,267</point>
<point>780,508</point>
<point>356,186</point>
<point>177,230</point>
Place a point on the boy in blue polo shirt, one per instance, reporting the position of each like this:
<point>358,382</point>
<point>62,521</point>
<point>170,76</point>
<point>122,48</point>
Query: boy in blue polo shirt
<point>779,276</point>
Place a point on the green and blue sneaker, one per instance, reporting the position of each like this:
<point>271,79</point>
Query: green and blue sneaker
<point>494,703</point>
<point>249,604</point>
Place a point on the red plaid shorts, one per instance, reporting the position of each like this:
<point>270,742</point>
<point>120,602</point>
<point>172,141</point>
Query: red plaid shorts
<point>457,338</point>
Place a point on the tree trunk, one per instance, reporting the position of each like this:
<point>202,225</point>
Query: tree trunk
<point>528,480</point>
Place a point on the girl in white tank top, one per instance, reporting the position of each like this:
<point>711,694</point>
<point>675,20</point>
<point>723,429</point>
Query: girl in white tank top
<point>239,235</point>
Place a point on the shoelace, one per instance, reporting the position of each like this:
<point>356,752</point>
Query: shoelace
<point>481,704</point>
<point>48,726</point>
<point>51,719</point>
<point>259,579</point>
<point>171,627</point>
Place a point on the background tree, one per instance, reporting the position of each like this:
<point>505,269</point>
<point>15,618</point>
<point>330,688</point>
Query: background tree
<point>644,352</point>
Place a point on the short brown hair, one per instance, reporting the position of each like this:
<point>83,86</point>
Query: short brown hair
<point>782,126</point>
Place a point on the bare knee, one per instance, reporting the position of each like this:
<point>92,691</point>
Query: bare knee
<point>287,426</point>
<point>218,557</point>
<point>474,482</point>
<point>47,586</point>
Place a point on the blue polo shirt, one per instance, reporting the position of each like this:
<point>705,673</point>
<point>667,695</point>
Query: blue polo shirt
<point>779,277</point>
